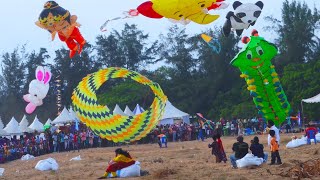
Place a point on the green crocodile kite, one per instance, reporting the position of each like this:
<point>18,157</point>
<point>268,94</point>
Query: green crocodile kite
<point>254,61</point>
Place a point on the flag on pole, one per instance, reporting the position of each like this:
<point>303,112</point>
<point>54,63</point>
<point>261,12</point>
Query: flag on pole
<point>77,125</point>
<point>299,119</point>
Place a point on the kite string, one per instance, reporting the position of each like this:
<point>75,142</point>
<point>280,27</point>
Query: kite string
<point>127,14</point>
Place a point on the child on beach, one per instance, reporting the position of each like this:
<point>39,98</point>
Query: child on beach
<point>217,150</point>
<point>274,149</point>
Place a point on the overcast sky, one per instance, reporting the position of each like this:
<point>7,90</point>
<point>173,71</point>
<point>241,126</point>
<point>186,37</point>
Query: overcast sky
<point>18,17</point>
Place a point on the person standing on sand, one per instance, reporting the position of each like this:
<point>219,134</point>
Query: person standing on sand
<point>221,148</point>
<point>216,150</point>
<point>271,126</point>
<point>274,146</point>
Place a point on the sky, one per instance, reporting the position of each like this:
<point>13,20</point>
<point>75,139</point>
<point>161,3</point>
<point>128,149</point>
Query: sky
<point>18,26</point>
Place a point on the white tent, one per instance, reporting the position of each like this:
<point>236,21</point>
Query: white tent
<point>137,110</point>
<point>2,132</point>
<point>73,115</point>
<point>315,99</point>
<point>117,110</point>
<point>36,125</point>
<point>64,117</point>
<point>24,124</point>
<point>128,112</point>
<point>13,127</point>
<point>48,122</point>
<point>171,113</point>
<point>1,124</point>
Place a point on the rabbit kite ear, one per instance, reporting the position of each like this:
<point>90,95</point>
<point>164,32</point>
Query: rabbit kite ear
<point>40,73</point>
<point>47,75</point>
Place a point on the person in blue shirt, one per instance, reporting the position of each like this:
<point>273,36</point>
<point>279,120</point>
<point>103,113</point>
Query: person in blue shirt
<point>62,141</point>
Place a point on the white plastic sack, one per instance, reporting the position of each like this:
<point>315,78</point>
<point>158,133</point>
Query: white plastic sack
<point>78,158</point>
<point>27,157</point>
<point>47,164</point>
<point>1,171</point>
<point>249,160</point>
<point>318,137</point>
<point>131,171</point>
<point>297,142</point>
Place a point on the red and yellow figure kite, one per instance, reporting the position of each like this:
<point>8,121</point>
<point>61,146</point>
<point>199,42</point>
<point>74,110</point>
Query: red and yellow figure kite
<point>56,19</point>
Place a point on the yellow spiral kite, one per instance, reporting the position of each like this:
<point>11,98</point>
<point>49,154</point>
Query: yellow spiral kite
<point>102,121</point>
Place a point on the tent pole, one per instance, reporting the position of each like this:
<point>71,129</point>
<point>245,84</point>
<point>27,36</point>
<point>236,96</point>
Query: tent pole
<point>302,114</point>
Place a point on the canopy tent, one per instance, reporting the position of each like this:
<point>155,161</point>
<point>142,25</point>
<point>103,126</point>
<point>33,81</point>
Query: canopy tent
<point>128,112</point>
<point>117,110</point>
<point>171,113</point>
<point>13,127</point>
<point>137,110</point>
<point>2,132</point>
<point>24,124</point>
<point>36,125</point>
<point>64,117</point>
<point>1,124</point>
<point>315,99</point>
<point>73,115</point>
<point>48,122</point>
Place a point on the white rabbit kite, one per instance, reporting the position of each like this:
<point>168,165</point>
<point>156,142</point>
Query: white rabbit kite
<point>38,89</point>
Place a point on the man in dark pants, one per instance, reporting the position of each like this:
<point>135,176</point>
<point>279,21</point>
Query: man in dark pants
<point>274,149</point>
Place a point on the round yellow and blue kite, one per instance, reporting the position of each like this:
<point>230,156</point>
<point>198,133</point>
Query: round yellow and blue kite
<point>102,121</point>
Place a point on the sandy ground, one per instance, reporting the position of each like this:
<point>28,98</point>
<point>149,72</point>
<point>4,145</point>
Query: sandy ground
<point>182,160</point>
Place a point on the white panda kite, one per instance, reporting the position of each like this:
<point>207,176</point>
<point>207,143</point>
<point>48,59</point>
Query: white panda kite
<point>243,16</point>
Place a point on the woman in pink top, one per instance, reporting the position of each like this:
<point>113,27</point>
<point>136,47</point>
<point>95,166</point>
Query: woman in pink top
<point>83,139</point>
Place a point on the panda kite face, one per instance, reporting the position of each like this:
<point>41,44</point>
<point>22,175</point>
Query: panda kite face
<point>248,13</point>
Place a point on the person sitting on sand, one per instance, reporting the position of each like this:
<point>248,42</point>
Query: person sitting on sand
<point>241,149</point>
<point>257,149</point>
<point>122,160</point>
<point>216,150</point>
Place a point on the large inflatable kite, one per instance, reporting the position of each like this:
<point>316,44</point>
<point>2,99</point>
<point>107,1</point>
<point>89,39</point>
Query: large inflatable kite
<point>254,61</point>
<point>38,89</point>
<point>182,11</point>
<point>102,121</point>
<point>177,11</point>
<point>56,19</point>
<point>244,16</point>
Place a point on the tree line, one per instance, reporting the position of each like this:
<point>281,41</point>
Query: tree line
<point>194,78</point>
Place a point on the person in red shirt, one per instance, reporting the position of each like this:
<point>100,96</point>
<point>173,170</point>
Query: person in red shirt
<point>311,131</point>
<point>218,136</point>
<point>75,142</point>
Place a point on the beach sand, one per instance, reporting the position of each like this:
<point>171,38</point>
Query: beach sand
<point>190,160</point>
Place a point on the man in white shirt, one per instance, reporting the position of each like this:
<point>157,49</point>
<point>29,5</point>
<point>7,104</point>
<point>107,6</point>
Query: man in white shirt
<point>273,127</point>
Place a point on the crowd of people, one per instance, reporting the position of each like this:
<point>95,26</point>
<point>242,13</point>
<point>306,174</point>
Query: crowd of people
<point>75,137</point>
<point>53,140</point>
